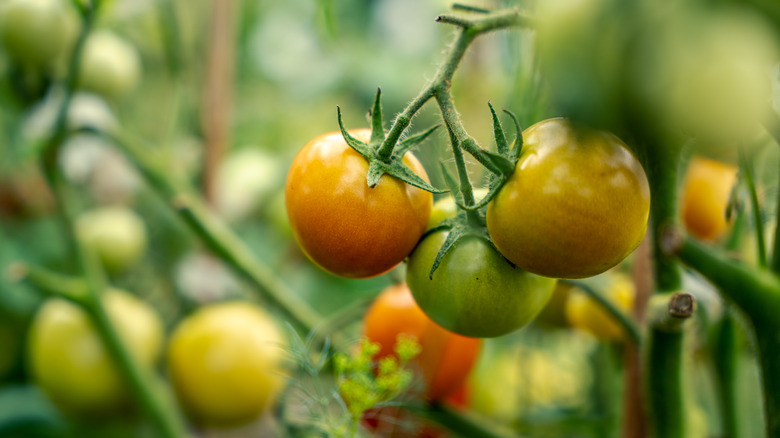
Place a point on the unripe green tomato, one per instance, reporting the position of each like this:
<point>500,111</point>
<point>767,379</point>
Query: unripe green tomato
<point>69,361</point>
<point>116,235</point>
<point>225,363</point>
<point>109,65</point>
<point>35,32</point>
<point>474,291</point>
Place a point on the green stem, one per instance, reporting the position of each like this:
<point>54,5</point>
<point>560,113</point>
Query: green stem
<point>221,239</point>
<point>470,29</point>
<point>776,247</point>
<point>726,355</point>
<point>456,421</point>
<point>665,374</point>
<point>757,292</point>
<point>73,289</point>
<point>755,206</point>
<point>664,368</point>
<point>466,190</point>
<point>628,325</point>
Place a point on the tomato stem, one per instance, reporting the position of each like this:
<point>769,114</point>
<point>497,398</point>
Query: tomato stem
<point>747,170</point>
<point>470,28</point>
<point>726,355</point>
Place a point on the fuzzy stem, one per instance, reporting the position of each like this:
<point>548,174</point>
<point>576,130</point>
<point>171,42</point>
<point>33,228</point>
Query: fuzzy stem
<point>470,28</point>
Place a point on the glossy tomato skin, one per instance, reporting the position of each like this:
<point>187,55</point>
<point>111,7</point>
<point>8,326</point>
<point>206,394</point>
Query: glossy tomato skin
<point>344,226</point>
<point>705,196</point>
<point>446,358</point>
<point>576,205</point>
<point>475,291</point>
<point>68,359</point>
<point>225,363</point>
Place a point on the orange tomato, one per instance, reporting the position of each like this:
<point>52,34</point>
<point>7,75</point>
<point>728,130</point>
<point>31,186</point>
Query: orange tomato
<point>446,358</point>
<point>705,197</point>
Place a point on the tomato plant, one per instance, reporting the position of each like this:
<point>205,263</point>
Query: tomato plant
<point>584,313</point>
<point>446,358</point>
<point>225,363</point>
<point>576,205</point>
<point>68,360</point>
<point>474,291</point>
<point>705,196</point>
<point>342,224</point>
<point>116,235</point>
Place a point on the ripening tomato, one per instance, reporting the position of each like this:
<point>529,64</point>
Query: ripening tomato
<point>225,363</point>
<point>576,205</point>
<point>474,291</point>
<point>445,359</point>
<point>705,197</point>
<point>68,360</point>
<point>583,312</point>
<point>343,225</point>
<point>116,235</point>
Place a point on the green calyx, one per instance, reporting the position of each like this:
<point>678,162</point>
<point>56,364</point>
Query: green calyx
<point>503,160</point>
<point>387,157</point>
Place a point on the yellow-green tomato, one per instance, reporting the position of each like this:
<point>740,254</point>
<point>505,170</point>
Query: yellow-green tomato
<point>109,65</point>
<point>69,361</point>
<point>35,32</point>
<point>576,205</point>
<point>583,312</point>
<point>474,291</point>
<point>116,235</point>
<point>225,363</point>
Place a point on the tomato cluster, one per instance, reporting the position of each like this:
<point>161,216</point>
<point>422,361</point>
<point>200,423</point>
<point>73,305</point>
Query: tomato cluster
<point>576,204</point>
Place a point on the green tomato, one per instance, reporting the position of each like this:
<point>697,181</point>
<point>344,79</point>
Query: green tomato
<point>69,361</point>
<point>110,65</point>
<point>35,32</point>
<point>116,235</point>
<point>474,291</point>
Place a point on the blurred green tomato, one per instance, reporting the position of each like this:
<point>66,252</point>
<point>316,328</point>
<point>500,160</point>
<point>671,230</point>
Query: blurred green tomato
<point>109,65</point>
<point>116,235</point>
<point>68,359</point>
<point>245,180</point>
<point>708,74</point>
<point>35,32</point>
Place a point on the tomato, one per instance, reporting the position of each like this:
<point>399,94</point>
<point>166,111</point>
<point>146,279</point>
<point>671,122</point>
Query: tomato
<point>554,312</point>
<point>445,359</point>
<point>109,65</point>
<point>35,32</point>
<point>474,291</point>
<point>244,181</point>
<point>68,360</point>
<point>225,363</point>
<point>705,197</point>
<point>115,234</point>
<point>586,314</point>
<point>343,225</point>
<point>576,205</point>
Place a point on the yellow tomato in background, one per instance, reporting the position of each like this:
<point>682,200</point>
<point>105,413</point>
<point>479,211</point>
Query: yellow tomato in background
<point>68,359</point>
<point>585,313</point>
<point>705,197</point>
<point>225,363</point>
